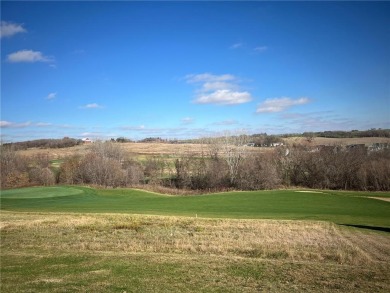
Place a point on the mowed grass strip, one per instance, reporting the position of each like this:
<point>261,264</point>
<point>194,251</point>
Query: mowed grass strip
<point>338,207</point>
<point>45,252</point>
<point>86,272</point>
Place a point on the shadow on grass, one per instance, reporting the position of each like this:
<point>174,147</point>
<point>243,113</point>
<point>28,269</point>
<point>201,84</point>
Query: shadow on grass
<point>375,228</point>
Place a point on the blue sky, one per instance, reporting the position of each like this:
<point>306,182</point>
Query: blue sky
<point>192,69</point>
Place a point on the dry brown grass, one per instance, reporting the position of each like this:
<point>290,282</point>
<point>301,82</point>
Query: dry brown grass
<point>43,252</point>
<point>336,141</point>
<point>54,154</point>
<point>265,239</point>
<point>381,198</point>
<point>134,149</point>
<point>167,149</point>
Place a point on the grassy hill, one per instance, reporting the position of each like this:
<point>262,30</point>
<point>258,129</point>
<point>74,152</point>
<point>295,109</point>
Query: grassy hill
<point>80,239</point>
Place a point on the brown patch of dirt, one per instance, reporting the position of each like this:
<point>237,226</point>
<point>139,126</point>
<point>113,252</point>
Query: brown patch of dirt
<point>381,198</point>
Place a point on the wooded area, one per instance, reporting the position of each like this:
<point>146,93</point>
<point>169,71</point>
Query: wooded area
<point>225,164</point>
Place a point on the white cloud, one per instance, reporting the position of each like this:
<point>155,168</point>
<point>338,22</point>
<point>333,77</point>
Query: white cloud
<point>5,124</point>
<point>224,97</point>
<point>8,29</point>
<point>92,106</point>
<point>51,96</point>
<point>280,104</point>
<point>28,56</point>
<point>218,89</point>
<point>217,85</point>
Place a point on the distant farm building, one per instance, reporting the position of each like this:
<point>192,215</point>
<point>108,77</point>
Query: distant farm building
<point>87,140</point>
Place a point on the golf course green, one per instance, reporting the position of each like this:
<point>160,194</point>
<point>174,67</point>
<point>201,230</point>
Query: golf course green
<point>349,208</point>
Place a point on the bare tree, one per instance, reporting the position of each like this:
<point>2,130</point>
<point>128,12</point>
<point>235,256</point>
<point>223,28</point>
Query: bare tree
<point>258,171</point>
<point>154,168</point>
<point>134,172</point>
<point>42,176</point>
<point>108,150</point>
<point>14,168</point>
<point>70,170</point>
<point>234,150</point>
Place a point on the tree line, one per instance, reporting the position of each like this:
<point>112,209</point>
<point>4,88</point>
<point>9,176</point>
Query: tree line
<point>225,164</point>
<point>349,134</point>
<point>65,142</point>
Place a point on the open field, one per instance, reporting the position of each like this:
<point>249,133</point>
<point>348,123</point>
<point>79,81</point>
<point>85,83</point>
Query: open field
<point>58,252</point>
<point>166,149</point>
<point>337,141</point>
<point>135,149</point>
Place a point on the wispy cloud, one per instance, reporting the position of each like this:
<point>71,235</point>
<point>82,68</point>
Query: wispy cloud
<point>187,120</point>
<point>280,104</point>
<point>5,124</point>
<point>318,121</point>
<point>260,49</point>
<point>43,124</point>
<point>133,128</point>
<point>92,106</point>
<point>8,124</point>
<point>218,89</point>
<point>226,122</point>
<point>51,96</point>
<point>11,124</point>
<point>29,56</point>
<point>208,77</point>
<point>236,46</point>
<point>8,29</point>
<point>240,45</point>
<point>92,134</point>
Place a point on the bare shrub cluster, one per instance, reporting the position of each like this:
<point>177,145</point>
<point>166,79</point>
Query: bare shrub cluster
<point>104,165</point>
<point>336,168</point>
<point>20,171</point>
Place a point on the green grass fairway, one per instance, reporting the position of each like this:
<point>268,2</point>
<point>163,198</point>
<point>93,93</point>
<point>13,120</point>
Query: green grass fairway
<point>351,208</point>
<point>40,192</point>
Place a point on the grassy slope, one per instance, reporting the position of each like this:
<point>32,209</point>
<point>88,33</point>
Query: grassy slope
<point>94,242</point>
<point>45,252</point>
<point>339,207</point>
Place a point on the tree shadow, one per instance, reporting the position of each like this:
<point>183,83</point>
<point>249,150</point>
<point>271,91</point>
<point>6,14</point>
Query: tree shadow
<point>375,228</point>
